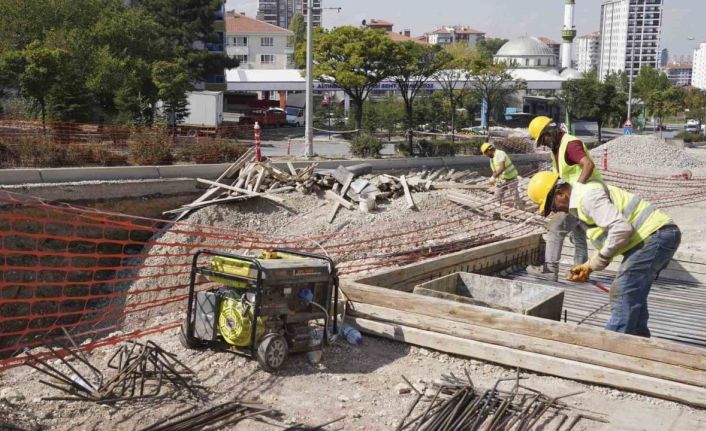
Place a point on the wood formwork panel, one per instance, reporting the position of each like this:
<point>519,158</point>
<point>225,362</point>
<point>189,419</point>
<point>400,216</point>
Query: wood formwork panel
<point>385,297</point>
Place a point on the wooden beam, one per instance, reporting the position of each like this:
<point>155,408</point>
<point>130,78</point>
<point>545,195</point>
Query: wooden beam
<point>554,366</point>
<point>531,344</point>
<point>444,186</point>
<point>243,191</point>
<point>336,198</point>
<point>596,338</point>
<point>337,205</point>
<point>291,169</point>
<point>407,193</point>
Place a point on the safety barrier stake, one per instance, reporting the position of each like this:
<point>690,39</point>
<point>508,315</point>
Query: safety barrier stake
<point>258,152</point>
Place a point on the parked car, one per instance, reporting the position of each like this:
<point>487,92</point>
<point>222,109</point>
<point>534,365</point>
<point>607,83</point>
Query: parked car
<point>692,126</point>
<point>295,116</point>
<point>272,117</point>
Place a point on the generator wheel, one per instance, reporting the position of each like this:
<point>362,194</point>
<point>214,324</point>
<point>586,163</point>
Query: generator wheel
<point>186,342</point>
<point>272,352</point>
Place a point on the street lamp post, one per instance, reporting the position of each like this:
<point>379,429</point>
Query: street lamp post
<point>309,128</point>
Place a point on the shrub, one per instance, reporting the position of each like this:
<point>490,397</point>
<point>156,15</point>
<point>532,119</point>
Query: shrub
<point>39,151</point>
<point>366,145</point>
<point>691,136</point>
<point>443,147</point>
<point>209,150</point>
<point>151,147</point>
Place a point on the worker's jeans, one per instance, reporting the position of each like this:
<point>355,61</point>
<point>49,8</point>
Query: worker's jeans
<point>558,227</point>
<point>509,187</point>
<point>640,267</point>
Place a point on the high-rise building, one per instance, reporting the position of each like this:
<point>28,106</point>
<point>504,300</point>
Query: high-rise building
<point>588,48</point>
<point>281,12</point>
<point>698,77</point>
<point>630,35</point>
<point>664,57</point>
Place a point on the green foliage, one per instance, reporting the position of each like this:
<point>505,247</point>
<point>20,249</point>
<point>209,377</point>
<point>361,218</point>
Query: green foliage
<point>455,78</point>
<point>366,145</point>
<point>690,137</point>
<point>172,81</point>
<point>648,81</point>
<point>492,82</point>
<point>695,102</point>
<point>150,147</point>
<point>353,58</point>
<point>383,115</point>
<point>298,40</point>
<point>489,47</point>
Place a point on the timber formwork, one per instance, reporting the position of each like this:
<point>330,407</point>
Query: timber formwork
<point>383,304</point>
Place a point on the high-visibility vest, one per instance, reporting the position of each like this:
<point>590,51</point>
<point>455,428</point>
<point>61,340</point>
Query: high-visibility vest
<point>644,217</point>
<point>571,173</point>
<point>510,172</point>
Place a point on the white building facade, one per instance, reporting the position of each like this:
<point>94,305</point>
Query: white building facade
<point>630,36</point>
<point>257,44</point>
<point>698,78</point>
<point>679,74</point>
<point>587,52</point>
<point>280,12</point>
<point>447,35</point>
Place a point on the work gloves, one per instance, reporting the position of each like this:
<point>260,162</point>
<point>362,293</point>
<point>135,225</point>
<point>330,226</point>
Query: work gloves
<point>492,181</point>
<point>581,272</point>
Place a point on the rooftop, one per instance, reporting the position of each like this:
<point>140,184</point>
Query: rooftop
<point>548,41</point>
<point>239,23</point>
<point>678,66</point>
<point>457,29</point>
<point>379,23</point>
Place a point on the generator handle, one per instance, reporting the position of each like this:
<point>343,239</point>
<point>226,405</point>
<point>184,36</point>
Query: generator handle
<point>333,281</point>
<point>258,290</point>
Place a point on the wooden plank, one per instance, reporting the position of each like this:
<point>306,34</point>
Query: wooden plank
<point>551,348</point>
<point>260,178</point>
<point>344,189</point>
<point>336,198</point>
<point>559,367</point>
<point>233,168</point>
<point>243,191</point>
<point>444,186</point>
<point>291,169</point>
<point>656,350</point>
<point>407,193</point>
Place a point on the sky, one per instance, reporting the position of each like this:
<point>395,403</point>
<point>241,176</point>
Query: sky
<point>505,18</point>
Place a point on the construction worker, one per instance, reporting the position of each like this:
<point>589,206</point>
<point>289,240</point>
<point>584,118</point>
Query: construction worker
<point>503,170</point>
<point>572,161</point>
<point>618,223</point>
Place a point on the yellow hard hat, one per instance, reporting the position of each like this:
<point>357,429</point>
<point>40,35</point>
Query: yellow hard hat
<point>541,190</point>
<point>485,147</point>
<point>538,125</point>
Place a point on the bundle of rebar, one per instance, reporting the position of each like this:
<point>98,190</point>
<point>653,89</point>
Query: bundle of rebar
<point>142,371</point>
<point>215,417</point>
<point>457,405</point>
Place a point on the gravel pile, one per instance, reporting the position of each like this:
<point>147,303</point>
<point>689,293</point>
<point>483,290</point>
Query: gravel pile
<point>635,152</point>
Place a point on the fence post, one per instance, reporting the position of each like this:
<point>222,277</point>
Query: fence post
<point>258,153</point>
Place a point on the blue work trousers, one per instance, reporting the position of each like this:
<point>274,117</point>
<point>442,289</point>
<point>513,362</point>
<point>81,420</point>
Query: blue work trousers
<point>641,266</point>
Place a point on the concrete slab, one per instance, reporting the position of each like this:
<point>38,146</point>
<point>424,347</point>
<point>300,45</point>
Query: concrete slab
<point>65,175</point>
<point>192,171</point>
<point>20,176</point>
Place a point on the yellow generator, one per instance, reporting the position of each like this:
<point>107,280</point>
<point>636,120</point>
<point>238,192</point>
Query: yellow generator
<point>260,306</point>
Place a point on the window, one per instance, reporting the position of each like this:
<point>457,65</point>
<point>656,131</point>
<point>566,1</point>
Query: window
<point>290,59</point>
<point>243,59</point>
<point>267,41</point>
<point>240,41</point>
<point>267,59</point>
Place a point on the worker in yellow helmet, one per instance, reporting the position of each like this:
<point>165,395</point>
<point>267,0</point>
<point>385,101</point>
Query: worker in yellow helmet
<point>572,161</point>
<point>504,175</point>
<point>618,223</point>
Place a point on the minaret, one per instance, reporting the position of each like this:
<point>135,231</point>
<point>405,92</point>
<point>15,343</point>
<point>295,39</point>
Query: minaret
<point>568,33</point>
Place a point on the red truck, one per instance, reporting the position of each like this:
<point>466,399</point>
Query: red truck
<point>272,117</point>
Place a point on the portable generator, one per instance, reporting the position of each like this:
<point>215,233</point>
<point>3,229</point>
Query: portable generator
<point>261,306</point>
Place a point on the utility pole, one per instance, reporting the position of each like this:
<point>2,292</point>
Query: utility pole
<point>309,128</point>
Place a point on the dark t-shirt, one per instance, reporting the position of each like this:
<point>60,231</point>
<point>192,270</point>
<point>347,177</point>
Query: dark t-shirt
<point>574,152</point>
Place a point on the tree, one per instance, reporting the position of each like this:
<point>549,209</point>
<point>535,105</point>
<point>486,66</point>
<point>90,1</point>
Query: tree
<point>487,48</point>
<point>661,103</point>
<point>695,102</point>
<point>298,39</point>
<point>37,70</point>
<point>411,67</point>
<point>354,59</point>
<point>454,79</point>
<point>649,80</point>
<point>492,82</point>
<point>172,81</point>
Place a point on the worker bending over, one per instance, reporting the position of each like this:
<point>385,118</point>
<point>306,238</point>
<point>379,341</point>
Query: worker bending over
<point>572,161</point>
<point>618,223</point>
<point>503,170</point>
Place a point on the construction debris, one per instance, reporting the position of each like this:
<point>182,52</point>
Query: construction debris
<point>142,371</point>
<point>456,404</point>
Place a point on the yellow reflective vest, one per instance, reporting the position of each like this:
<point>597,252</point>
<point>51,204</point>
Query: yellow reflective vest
<point>644,217</point>
<point>510,172</point>
<point>571,173</point>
